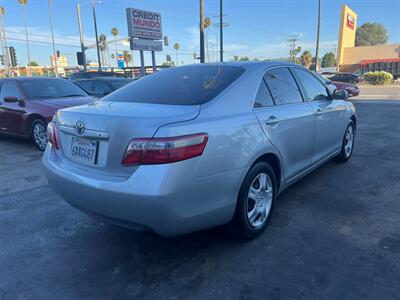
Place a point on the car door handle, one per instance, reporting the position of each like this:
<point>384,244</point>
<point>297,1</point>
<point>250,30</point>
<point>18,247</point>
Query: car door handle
<point>319,112</point>
<point>272,121</point>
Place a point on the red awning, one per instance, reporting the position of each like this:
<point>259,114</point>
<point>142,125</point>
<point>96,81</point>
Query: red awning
<point>365,62</point>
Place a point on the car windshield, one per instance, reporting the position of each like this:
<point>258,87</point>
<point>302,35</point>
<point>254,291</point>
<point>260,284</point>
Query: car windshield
<point>51,88</point>
<point>186,85</point>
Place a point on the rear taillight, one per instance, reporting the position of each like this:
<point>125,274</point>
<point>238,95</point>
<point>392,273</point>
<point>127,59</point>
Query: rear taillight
<point>147,151</point>
<point>52,135</point>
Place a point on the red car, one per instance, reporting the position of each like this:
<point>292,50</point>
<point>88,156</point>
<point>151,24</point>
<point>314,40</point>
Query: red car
<point>27,105</point>
<point>351,89</point>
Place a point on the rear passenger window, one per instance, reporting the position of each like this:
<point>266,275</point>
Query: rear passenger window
<point>314,89</point>
<point>282,85</point>
<point>263,97</point>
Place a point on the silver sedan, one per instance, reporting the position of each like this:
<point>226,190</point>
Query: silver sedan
<point>198,146</point>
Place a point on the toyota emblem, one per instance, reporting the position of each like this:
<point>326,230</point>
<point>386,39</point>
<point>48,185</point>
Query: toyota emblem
<point>80,127</point>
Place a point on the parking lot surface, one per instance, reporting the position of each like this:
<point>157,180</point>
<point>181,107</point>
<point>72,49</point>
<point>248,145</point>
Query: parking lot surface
<point>334,235</point>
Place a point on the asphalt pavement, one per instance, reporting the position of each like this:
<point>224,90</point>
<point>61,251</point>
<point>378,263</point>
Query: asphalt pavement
<point>334,235</point>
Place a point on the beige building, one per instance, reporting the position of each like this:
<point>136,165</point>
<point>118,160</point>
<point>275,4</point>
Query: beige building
<point>367,58</point>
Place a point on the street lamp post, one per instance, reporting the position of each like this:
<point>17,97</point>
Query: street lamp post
<point>202,56</point>
<point>221,32</point>
<point>95,30</point>
<point>23,3</point>
<point>78,11</point>
<point>4,43</point>
<point>317,43</point>
<point>55,58</point>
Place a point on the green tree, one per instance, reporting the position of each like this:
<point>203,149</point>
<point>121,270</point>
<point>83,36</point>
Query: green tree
<point>293,54</point>
<point>176,47</point>
<point>328,60</point>
<point>306,59</point>
<point>370,34</point>
<point>127,57</point>
<point>114,33</point>
<point>33,64</point>
<point>102,46</point>
<point>207,24</point>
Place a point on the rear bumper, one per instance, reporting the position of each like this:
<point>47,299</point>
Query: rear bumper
<point>166,199</point>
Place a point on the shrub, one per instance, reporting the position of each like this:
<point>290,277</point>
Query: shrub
<point>378,77</point>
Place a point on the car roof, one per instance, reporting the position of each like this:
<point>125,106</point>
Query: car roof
<point>253,65</point>
<point>31,78</point>
<point>104,79</point>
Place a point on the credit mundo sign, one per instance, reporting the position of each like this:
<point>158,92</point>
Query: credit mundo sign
<point>144,24</point>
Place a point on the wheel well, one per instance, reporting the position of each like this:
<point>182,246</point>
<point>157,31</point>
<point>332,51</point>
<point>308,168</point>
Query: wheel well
<point>353,118</point>
<point>29,121</point>
<point>275,164</point>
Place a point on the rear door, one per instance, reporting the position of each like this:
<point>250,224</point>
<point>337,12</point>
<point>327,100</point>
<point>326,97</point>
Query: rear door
<point>329,114</point>
<point>288,122</point>
<point>11,114</point>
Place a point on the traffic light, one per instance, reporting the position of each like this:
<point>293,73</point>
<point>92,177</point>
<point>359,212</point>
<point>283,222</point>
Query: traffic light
<point>13,57</point>
<point>166,43</point>
<point>168,58</point>
<point>79,58</point>
<point>58,54</point>
<point>2,60</point>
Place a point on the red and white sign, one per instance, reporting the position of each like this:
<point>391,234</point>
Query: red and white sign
<point>144,24</point>
<point>350,21</point>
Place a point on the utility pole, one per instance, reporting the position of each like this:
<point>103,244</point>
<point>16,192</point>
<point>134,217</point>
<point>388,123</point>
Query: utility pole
<point>292,46</point>
<point>221,32</point>
<point>317,45</point>
<point>95,31</point>
<point>78,11</point>
<point>55,58</point>
<point>202,56</point>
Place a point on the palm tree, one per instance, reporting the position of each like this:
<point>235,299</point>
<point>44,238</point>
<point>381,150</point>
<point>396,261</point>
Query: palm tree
<point>114,33</point>
<point>207,23</point>
<point>102,46</point>
<point>127,58</point>
<point>306,59</point>
<point>176,47</point>
<point>23,3</point>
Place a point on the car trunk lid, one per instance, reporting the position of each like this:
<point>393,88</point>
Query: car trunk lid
<point>107,129</point>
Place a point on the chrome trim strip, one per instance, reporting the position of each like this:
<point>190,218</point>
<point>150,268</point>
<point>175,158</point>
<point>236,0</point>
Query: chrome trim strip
<point>98,135</point>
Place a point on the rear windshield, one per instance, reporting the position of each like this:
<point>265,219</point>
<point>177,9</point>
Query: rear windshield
<point>116,84</point>
<point>187,85</point>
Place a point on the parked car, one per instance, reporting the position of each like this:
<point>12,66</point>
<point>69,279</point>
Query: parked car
<point>100,87</point>
<point>351,89</point>
<point>197,146</point>
<point>88,75</point>
<point>328,73</point>
<point>27,105</point>
<point>327,82</point>
<point>346,77</point>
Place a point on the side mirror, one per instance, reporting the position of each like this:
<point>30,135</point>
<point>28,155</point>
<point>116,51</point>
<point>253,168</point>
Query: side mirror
<point>340,95</point>
<point>328,82</point>
<point>11,99</point>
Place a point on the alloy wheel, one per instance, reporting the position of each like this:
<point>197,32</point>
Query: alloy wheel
<point>349,141</point>
<point>39,134</point>
<point>259,200</point>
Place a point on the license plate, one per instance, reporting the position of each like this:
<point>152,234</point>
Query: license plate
<point>84,150</point>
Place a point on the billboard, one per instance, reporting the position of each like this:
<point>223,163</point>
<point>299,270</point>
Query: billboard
<point>347,32</point>
<point>144,24</point>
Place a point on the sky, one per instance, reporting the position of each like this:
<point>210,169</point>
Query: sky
<point>255,28</point>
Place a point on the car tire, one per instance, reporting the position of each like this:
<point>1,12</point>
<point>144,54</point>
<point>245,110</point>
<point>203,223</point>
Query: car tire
<point>347,143</point>
<point>38,134</point>
<point>256,201</point>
